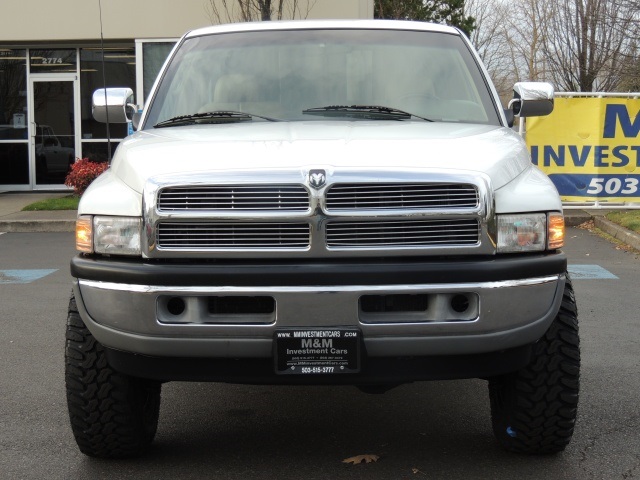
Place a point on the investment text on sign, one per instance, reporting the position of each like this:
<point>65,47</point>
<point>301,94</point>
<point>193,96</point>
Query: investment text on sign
<point>589,147</point>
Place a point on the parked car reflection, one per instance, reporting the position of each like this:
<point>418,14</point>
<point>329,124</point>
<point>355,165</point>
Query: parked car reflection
<point>54,155</point>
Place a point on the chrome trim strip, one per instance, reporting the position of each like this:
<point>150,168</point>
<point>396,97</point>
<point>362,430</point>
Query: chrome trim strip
<point>527,282</point>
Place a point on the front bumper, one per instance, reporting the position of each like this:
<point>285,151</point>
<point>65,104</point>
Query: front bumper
<point>516,298</point>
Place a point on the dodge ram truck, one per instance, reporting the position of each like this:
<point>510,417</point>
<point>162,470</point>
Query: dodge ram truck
<point>326,203</point>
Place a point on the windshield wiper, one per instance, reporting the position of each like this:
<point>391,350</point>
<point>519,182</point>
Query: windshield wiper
<point>375,112</point>
<point>218,116</point>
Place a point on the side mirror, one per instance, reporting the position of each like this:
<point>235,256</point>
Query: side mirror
<point>532,99</point>
<point>114,103</point>
<point>508,113</point>
<point>135,120</point>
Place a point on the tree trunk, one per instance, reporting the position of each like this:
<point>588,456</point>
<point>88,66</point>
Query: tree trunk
<point>265,9</point>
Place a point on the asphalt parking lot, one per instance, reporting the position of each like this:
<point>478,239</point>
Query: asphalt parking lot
<point>436,430</point>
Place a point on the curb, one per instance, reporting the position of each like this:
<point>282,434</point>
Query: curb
<point>575,219</point>
<point>616,231</point>
<point>37,226</point>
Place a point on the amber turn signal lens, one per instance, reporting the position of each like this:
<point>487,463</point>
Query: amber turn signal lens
<point>556,231</point>
<point>84,234</point>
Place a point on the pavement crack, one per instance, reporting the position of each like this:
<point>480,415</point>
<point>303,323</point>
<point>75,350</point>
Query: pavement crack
<point>631,423</point>
<point>630,473</point>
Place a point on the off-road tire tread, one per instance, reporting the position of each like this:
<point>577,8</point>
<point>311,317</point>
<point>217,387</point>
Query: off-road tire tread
<point>112,415</point>
<point>534,409</point>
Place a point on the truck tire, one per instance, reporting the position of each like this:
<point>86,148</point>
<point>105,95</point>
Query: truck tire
<point>534,409</point>
<point>112,415</point>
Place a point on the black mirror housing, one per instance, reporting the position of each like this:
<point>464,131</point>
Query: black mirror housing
<point>532,99</point>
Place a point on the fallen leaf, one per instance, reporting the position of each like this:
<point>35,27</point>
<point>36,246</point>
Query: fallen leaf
<point>418,471</point>
<point>588,225</point>
<point>367,458</point>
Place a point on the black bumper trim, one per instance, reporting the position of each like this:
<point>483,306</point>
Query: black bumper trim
<point>323,273</point>
<point>375,371</point>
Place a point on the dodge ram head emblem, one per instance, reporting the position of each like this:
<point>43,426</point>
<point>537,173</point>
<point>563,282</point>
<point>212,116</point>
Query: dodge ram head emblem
<point>317,178</point>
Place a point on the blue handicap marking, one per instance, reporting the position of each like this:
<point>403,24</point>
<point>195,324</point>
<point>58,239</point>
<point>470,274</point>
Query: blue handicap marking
<point>24,276</point>
<point>590,272</point>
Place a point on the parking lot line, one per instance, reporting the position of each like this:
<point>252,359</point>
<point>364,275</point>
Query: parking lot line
<point>24,276</point>
<point>590,272</point>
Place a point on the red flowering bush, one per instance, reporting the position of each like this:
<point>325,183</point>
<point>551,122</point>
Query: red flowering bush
<point>83,172</point>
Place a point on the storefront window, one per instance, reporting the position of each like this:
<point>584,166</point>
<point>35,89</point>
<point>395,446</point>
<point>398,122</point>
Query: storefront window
<point>98,151</point>
<point>13,94</point>
<point>154,55</point>
<point>14,151</point>
<point>120,71</point>
<point>14,163</point>
<point>53,61</point>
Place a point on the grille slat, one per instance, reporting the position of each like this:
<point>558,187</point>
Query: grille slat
<point>218,235</point>
<point>403,233</point>
<point>391,196</point>
<point>287,198</point>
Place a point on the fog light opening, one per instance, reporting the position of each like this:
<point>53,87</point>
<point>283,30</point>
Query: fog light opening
<point>460,303</point>
<point>176,306</point>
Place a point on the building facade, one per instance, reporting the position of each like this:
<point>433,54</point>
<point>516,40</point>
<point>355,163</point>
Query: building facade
<point>53,55</point>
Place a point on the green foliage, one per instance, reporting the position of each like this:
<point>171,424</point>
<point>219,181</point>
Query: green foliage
<point>627,218</point>
<point>450,12</point>
<point>69,202</point>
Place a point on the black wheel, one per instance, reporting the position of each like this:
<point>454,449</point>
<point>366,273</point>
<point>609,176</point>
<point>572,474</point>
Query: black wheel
<point>534,409</point>
<point>112,415</point>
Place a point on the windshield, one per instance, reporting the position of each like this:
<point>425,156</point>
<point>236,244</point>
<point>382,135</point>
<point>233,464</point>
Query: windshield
<point>281,73</point>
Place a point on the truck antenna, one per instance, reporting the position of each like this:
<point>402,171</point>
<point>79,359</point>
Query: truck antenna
<point>104,84</point>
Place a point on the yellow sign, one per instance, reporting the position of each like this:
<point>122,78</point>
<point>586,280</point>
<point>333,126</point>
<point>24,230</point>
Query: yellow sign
<point>589,147</point>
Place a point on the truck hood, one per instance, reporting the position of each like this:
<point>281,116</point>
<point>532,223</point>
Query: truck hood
<point>497,152</point>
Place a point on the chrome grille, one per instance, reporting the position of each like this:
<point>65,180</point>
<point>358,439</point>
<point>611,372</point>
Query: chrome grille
<point>401,196</point>
<point>403,233</point>
<point>293,198</point>
<point>241,214</point>
<point>224,235</point>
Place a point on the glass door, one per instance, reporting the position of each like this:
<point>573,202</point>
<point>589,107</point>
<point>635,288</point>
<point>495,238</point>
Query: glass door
<point>53,129</point>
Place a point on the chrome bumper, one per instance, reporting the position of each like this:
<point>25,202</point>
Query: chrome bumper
<point>502,315</point>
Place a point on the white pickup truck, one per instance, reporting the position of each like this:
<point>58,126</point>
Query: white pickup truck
<point>322,202</point>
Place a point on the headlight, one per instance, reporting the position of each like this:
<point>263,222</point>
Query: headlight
<point>108,235</point>
<point>522,233</point>
<point>530,232</point>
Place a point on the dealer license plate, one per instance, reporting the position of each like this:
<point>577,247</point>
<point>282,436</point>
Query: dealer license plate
<point>317,351</point>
